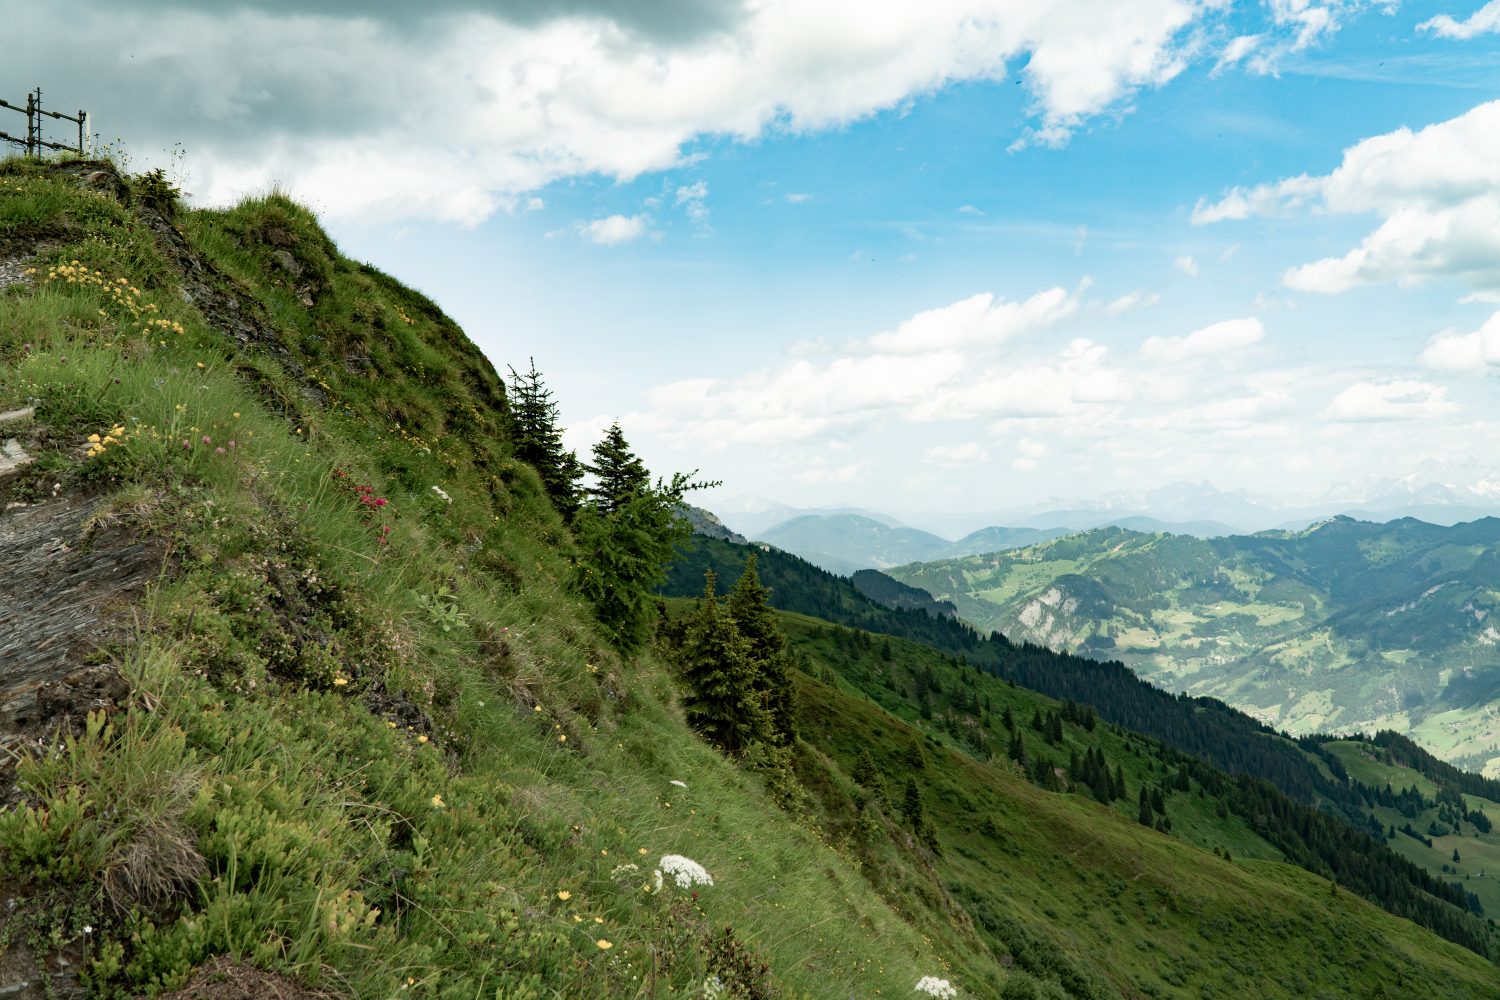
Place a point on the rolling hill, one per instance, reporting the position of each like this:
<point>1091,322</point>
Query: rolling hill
<point>1345,625</point>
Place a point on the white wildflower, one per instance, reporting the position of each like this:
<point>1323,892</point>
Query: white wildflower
<point>935,987</point>
<point>439,491</point>
<point>685,871</point>
<point>626,870</point>
<point>679,784</point>
<point>713,988</point>
<point>656,882</point>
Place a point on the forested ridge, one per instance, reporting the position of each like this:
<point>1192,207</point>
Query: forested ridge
<point>1298,798</point>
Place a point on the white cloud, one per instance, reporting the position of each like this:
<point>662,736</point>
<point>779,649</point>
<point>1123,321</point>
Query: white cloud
<point>615,229</point>
<point>1216,338</point>
<point>1388,399</point>
<point>535,204</point>
<point>1238,48</point>
<point>1030,448</point>
<point>1465,352</point>
<point>508,106</point>
<point>1301,23</point>
<point>1024,464</point>
<point>977,321</point>
<point>796,198</point>
<point>969,210</point>
<point>1436,190</point>
<point>1485,20</point>
<point>693,197</point>
<point>1132,300</point>
<point>1187,265</point>
<point>967,453</point>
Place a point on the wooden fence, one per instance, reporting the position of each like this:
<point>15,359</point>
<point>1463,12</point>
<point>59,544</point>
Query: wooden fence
<point>36,144</point>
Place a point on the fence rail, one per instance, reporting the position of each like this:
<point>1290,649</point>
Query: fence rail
<point>34,141</point>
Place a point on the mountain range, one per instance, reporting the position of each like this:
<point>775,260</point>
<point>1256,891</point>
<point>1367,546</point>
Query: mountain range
<point>1345,625</point>
<point>1435,491</point>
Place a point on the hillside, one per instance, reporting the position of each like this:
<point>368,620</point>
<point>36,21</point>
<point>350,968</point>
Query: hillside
<point>1304,771</point>
<point>1023,850</point>
<point>308,684</point>
<point>305,682</point>
<point>1346,625</point>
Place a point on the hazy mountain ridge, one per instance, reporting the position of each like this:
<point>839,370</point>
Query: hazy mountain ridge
<point>1346,625</point>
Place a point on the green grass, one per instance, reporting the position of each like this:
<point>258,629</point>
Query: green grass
<point>371,745</point>
<point>384,749</point>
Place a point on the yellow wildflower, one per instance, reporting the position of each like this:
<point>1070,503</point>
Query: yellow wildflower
<point>438,803</point>
<point>564,895</point>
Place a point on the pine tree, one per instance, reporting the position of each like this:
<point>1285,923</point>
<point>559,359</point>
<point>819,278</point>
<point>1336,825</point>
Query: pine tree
<point>1145,812</point>
<point>620,475</point>
<point>538,439</point>
<point>750,608</point>
<point>720,701</point>
<point>911,806</point>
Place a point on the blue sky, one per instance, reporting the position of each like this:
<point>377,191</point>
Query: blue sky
<point>844,253</point>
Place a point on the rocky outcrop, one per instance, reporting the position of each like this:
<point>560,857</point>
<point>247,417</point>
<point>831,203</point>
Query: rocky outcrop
<point>61,576</point>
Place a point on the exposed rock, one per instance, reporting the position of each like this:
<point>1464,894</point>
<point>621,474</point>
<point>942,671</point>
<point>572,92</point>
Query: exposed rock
<point>24,975</point>
<point>707,523</point>
<point>60,582</point>
<point>13,458</point>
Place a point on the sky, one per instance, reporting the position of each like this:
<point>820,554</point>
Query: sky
<point>945,256</point>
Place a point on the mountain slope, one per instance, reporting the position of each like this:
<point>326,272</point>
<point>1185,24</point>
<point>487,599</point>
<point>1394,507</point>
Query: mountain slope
<point>843,543</point>
<point>1025,865</point>
<point>352,722</point>
<point>1345,625</point>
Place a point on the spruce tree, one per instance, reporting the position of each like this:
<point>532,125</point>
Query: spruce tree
<point>720,702</point>
<point>911,806</point>
<point>538,439</point>
<point>1145,811</point>
<point>750,607</point>
<point>620,475</point>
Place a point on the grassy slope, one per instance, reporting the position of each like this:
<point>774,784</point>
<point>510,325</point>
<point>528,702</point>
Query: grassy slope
<point>1479,853</point>
<point>1080,893</point>
<point>1076,894</point>
<point>392,758</point>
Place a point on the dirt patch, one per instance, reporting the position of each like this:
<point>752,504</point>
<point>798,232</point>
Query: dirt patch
<point>23,974</point>
<point>225,978</point>
<point>61,582</point>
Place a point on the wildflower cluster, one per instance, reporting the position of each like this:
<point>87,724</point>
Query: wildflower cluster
<point>685,871</point>
<point>99,445</point>
<point>122,294</point>
<point>941,989</point>
<point>364,495</point>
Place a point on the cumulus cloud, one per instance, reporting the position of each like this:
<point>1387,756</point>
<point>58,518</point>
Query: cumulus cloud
<point>1485,20</point>
<point>692,198</point>
<point>1130,301</point>
<point>1465,352</point>
<point>615,229</point>
<point>1389,399</point>
<point>1216,338</point>
<point>507,97</point>
<point>978,321</point>
<point>957,454</point>
<point>1437,191</point>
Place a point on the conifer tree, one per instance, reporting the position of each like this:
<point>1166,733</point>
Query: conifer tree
<point>911,806</point>
<point>1145,811</point>
<point>538,439</point>
<point>620,475</point>
<point>720,702</point>
<point>750,608</point>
